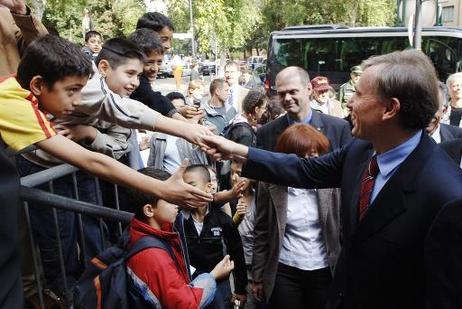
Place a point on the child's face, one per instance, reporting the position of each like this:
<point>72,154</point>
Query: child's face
<point>63,96</point>
<point>236,169</point>
<point>152,65</point>
<point>195,180</point>
<point>166,35</point>
<point>165,212</point>
<point>213,181</point>
<point>94,44</point>
<point>124,79</point>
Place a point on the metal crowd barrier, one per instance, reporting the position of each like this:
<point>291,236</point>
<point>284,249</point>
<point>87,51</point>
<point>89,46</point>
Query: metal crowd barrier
<point>30,194</point>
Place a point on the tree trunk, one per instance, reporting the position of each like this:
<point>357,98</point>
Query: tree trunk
<point>38,7</point>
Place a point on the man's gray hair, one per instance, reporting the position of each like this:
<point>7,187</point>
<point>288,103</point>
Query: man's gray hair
<point>410,77</point>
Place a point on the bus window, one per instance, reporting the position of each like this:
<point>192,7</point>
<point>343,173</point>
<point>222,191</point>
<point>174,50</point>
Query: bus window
<point>320,55</point>
<point>442,52</point>
<point>333,56</point>
<point>288,52</point>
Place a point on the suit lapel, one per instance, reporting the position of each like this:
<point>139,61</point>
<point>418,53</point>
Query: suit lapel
<point>325,197</point>
<point>445,134</point>
<point>279,198</point>
<point>316,121</point>
<point>391,200</point>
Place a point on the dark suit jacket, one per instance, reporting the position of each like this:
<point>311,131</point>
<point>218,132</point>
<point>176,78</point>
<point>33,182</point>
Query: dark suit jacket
<point>337,130</point>
<point>442,259</point>
<point>381,264</point>
<point>453,149</point>
<point>448,132</point>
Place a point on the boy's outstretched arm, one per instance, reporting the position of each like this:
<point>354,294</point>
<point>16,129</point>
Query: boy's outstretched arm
<point>173,190</point>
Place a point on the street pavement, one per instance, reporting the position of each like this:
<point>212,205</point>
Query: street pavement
<point>167,85</point>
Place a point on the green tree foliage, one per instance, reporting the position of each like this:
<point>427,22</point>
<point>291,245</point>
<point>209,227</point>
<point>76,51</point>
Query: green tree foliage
<point>111,18</point>
<point>226,24</point>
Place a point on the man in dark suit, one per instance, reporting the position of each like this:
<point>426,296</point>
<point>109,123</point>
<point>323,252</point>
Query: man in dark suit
<point>394,182</point>
<point>294,90</point>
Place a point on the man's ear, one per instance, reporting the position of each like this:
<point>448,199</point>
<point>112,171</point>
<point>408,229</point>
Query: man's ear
<point>391,109</point>
<point>36,85</point>
<point>103,67</point>
<point>309,88</point>
<point>149,210</point>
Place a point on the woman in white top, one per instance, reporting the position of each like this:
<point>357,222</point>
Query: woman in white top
<point>296,233</point>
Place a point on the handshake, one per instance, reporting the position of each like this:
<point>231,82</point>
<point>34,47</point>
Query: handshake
<point>220,148</point>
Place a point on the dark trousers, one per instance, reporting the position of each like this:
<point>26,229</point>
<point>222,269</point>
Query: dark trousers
<point>455,116</point>
<point>300,289</point>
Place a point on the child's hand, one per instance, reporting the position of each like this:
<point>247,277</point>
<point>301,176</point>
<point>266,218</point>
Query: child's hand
<point>15,6</point>
<point>189,112</point>
<point>239,299</point>
<point>241,208</point>
<point>258,291</point>
<point>144,143</point>
<point>223,268</point>
<point>195,133</point>
<point>77,132</point>
<point>239,187</point>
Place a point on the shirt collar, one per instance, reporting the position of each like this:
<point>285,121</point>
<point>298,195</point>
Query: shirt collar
<point>306,120</point>
<point>390,160</point>
<point>436,135</point>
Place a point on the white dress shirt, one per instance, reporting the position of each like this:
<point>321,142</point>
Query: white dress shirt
<point>303,245</point>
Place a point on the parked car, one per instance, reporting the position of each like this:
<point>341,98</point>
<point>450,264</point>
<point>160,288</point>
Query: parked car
<point>254,61</point>
<point>207,68</point>
<point>165,68</point>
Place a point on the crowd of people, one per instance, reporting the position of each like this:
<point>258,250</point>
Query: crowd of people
<point>305,199</point>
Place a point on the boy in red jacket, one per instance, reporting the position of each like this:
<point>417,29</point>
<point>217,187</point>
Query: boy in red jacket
<point>162,280</point>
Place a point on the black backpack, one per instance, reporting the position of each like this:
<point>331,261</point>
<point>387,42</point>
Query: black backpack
<point>106,282</point>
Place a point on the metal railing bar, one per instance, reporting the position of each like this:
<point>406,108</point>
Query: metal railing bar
<point>60,247</point>
<point>49,174</point>
<point>34,256</point>
<point>99,199</point>
<point>117,204</point>
<point>80,226</point>
<point>61,202</point>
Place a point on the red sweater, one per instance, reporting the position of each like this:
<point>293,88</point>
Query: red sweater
<point>156,270</point>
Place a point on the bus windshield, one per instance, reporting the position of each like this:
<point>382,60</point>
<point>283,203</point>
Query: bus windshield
<point>333,57</point>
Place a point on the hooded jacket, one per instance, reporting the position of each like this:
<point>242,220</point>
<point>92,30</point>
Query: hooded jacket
<point>155,272</point>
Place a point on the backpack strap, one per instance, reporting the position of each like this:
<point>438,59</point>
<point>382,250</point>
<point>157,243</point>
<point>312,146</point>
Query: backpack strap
<point>150,241</point>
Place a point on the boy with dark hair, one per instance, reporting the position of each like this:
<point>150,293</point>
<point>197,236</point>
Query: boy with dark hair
<point>93,44</point>
<point>120,62</point>
<point>210,233</point>
<point>162,279</point>
<point>149,42</point>
<point>160,24</point>
<point>50,77</point>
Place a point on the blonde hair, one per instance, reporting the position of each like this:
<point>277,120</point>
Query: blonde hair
<point>194,84</point>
